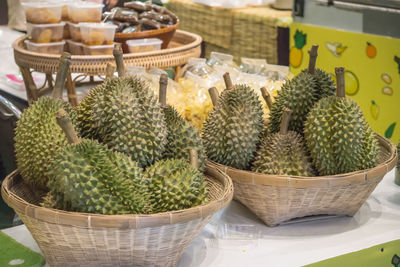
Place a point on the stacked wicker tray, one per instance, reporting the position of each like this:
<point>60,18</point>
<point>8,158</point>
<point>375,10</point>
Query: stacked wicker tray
<point>183,46</point>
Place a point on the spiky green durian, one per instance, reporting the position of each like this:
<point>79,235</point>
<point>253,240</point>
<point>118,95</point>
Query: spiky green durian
<point>88,177</point>
<point>181,135</point>
<point>130,120</point>
<point>338,136</point>
<point>300,94</point>
<point>84,111</point>
<point>283,153</point>
<point>232,131</point>
<point>174,185</point>
<point>38,138</point>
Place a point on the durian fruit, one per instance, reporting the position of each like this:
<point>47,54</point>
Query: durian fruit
<point>88,128</point>
<point>338,136</point>
<point>37,135</point>
<point>130,120</point>
<point>300,94</point>
<point>233,129</point>
<point>85,176</point>
<point>283,153</point>
<point>174,184</point>
<point>181,135</point>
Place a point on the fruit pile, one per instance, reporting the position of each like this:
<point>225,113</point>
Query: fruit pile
<point>121,151</point>
<point>311,130</point>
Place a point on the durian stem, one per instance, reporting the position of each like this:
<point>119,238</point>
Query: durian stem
<point>64,121</point>
<point>267,97</point>
<point>214,95</point>
<point>62,72</point>
<point>194,158</point>
<point>162,96</point>
<point>228,81</point>
<point>118,55</point>
<point>110,71</point>
<point>285,121</point>
<point>313,59</point>
<point>340,85</point>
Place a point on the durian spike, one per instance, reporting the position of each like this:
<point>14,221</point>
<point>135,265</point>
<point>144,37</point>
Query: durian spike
<point>118,55</point>
<point>228,81</point>
<point>313,59</point>
<point>64,121</point>
<point>62,72</point>
<point>162,95</point>
<point>285,121</point>
<point>340,85</point>
<point>110,71</point>
<point>267,97</point>
<point>194,158</point>
<point>214,95</point>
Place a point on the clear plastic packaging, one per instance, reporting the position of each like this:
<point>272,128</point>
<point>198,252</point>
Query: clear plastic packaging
<point>217,58</point>
<point>45,33</point>
<point>85,12</point>
<point>66,34</point>
<point>75,32</point>
<point>199,67</point>
<point>75,48</point>
<point>97,33</point>
<point>98,50</point>
<point>144,45</point>
<point>47,48</point>
<point>42,12</point>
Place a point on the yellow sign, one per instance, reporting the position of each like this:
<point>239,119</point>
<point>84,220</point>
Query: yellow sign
<point>372,66</point>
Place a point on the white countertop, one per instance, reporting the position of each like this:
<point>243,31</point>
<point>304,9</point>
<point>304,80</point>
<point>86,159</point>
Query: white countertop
<point>235,237</point>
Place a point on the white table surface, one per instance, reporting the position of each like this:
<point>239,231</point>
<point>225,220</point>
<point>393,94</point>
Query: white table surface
<point>235,237</point>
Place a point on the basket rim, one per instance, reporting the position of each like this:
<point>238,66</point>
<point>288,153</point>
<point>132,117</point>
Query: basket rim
<point>250,177</point>
<point>79,59</point>
<point>148,33</point>
<point>129,221</point>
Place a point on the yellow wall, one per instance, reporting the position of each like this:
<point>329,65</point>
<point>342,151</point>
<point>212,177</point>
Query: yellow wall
<point>374,66</point>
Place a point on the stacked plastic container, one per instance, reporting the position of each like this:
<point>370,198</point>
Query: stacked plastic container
<point>44,27</point>
<point>88,35</point>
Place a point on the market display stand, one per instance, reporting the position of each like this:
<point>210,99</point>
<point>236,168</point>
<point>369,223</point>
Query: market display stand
<point>235,237</point>
<point>183,46</point>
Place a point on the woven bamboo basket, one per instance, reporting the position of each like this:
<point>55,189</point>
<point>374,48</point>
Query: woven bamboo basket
<point>82,239</point>
<point>276,199</point>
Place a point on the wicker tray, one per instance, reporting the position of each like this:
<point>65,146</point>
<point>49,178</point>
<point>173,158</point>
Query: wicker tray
<point>276,199</point>
<point>183,46</point>
<point>82,239</point>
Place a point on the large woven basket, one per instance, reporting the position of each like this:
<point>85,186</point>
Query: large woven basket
<point>276,199</point>
<point>81,239</point>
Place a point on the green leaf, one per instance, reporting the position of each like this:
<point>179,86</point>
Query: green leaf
<point>300,39</point>
<point>390,130</point>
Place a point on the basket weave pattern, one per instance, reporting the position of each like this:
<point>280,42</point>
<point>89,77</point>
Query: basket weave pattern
<point>81,239</point>
<point>275,199</point>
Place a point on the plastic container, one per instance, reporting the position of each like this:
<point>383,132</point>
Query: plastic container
<point>98,50</point>
<point>97,33</point>
<point>74,32</point>
<point>45,33</point>
<point>75,48</point>
<point>42,12</point>
<point>85,12</point>
<point>144,45</point>
<point>66,34</point>
<point>47,48</point>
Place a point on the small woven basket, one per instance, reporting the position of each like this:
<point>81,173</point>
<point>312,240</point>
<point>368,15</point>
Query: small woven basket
<point>276,199</point>
<point>82,239</point>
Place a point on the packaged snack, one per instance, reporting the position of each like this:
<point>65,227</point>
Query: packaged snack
<point>45,33</point>
<point>46,48</point>
<point>75,48</point>
<point>144,45</point>
<point>42,12</point>
<point>74,31</point>
<point>97,33</point>
<point>85,12</point>
<point>98,50</point>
